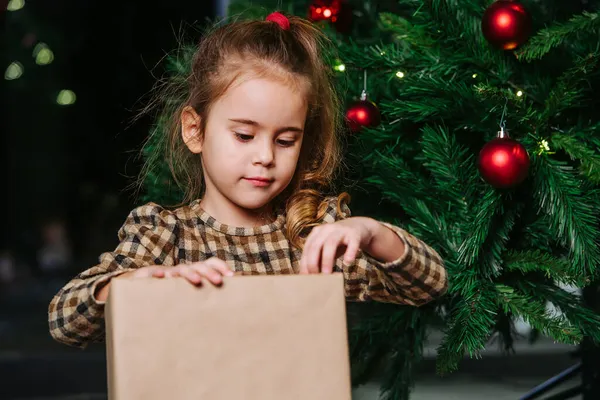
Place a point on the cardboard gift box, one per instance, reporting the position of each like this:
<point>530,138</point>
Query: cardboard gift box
<point>261,337</point>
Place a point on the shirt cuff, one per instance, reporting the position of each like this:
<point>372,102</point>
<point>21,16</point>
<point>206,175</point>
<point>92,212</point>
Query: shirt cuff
<point>102,280</point>
<point>401,233</point>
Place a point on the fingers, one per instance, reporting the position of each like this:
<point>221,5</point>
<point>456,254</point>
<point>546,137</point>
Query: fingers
<point>323,247</point>
<point>157,273</point>
<point>212,270</point>
<point>220,266</point>
<point>352,248</point>
<point>211,274</point>
<point>191,275</point>
<point>328,255</point>
<point>171,272</point>
<point>336,246</point>
<point>320,251</point>
<point>311,254</point>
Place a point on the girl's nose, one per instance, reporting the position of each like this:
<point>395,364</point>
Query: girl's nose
<point>265,154</point>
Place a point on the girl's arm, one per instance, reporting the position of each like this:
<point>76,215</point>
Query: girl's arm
<point>395,268</point>
<point>148,237</point>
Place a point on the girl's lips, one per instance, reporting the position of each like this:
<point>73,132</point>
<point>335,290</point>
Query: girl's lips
<point>261,182</point>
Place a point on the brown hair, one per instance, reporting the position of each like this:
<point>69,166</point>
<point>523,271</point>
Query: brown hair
<point>263,48</point>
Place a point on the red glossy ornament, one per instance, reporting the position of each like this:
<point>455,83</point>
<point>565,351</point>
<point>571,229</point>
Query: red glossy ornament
<point>321,10</point>
<point>503,162</point>
<point>362,113</point>
<point>506,24</point>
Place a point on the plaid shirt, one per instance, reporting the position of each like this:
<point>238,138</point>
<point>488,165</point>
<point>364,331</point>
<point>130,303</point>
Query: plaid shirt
<point>152,235</point>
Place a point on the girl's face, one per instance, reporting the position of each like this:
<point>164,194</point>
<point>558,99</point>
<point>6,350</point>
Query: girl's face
<point>251,144</point>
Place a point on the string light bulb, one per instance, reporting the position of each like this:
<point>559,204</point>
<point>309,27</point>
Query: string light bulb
<point>14,71</point>
<point>66,97</point>
<point>340,66</point>
<point>15,5</point>
<point>43,55</point>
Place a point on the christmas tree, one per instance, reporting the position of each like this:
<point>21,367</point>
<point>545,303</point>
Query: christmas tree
<point>484,143</point>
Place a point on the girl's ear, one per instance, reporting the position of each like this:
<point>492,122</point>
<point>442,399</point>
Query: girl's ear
<point>191,129</point>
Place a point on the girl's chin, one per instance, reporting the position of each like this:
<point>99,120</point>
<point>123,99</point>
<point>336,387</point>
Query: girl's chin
<point>254,201</point>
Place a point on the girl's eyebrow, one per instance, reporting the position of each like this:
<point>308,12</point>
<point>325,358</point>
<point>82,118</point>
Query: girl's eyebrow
<point>254,123</point>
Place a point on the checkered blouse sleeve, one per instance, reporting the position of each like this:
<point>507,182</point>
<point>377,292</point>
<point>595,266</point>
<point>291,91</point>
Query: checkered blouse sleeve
<point>148,237</point>
<point>416,278</point>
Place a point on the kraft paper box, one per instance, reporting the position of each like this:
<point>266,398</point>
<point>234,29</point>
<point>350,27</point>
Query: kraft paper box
<point>257,338</point>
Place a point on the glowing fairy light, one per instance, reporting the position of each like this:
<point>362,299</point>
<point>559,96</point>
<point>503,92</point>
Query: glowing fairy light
<point>66,97</point>
<point>14,71</point>
<point>15,5</point>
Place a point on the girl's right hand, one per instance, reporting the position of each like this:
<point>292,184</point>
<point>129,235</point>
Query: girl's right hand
<point>212,269</point>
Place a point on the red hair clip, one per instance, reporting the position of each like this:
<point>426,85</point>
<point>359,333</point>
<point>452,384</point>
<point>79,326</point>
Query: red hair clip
<point>280,19</point>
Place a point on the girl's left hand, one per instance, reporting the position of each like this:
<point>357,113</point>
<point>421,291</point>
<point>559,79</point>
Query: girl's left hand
<point>327,242</point>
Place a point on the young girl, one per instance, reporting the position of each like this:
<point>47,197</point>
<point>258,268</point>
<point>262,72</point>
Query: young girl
<point>256,146</point>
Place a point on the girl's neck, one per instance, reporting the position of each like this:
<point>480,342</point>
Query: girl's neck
<point>229,213</point>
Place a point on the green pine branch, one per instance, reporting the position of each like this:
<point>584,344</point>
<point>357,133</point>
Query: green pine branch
<point>536,235</point>
<point>560,195</point>
<point>422,221</point>
<point>588,132</point>
<point>557,269</point>
<point>430,98</point>
<point>584,319</point>
<point>495,244</point>
<point>458,10</point>
<point>460,19</point>
<point>433,227</point>
<point>489,231</point>
<point>382,335</point>
<point>391,56</point>
<point>567,92</point>
<point>452,168</point>
<point>577,149</point>
<point>367,357</point>
<point>369,341</point>
<point>399,378</point>
<point>387,170</point>
<point>406,352</point>
<point>534,311</point>
<point>417,35</point>
<point>469,327</point>
<point>586,24</point>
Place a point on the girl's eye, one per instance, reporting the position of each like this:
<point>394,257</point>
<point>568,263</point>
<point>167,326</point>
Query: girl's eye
<point>246,138</point>
<point>286,143</point>
<point>243,137</point>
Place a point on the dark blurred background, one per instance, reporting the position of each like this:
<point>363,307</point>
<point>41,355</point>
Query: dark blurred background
<point>74,74</point>
<point>68,164</point>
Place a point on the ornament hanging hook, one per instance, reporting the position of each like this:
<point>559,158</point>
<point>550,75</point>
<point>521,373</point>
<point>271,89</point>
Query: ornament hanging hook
<point>503,132</point>
<point>363,95</point>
